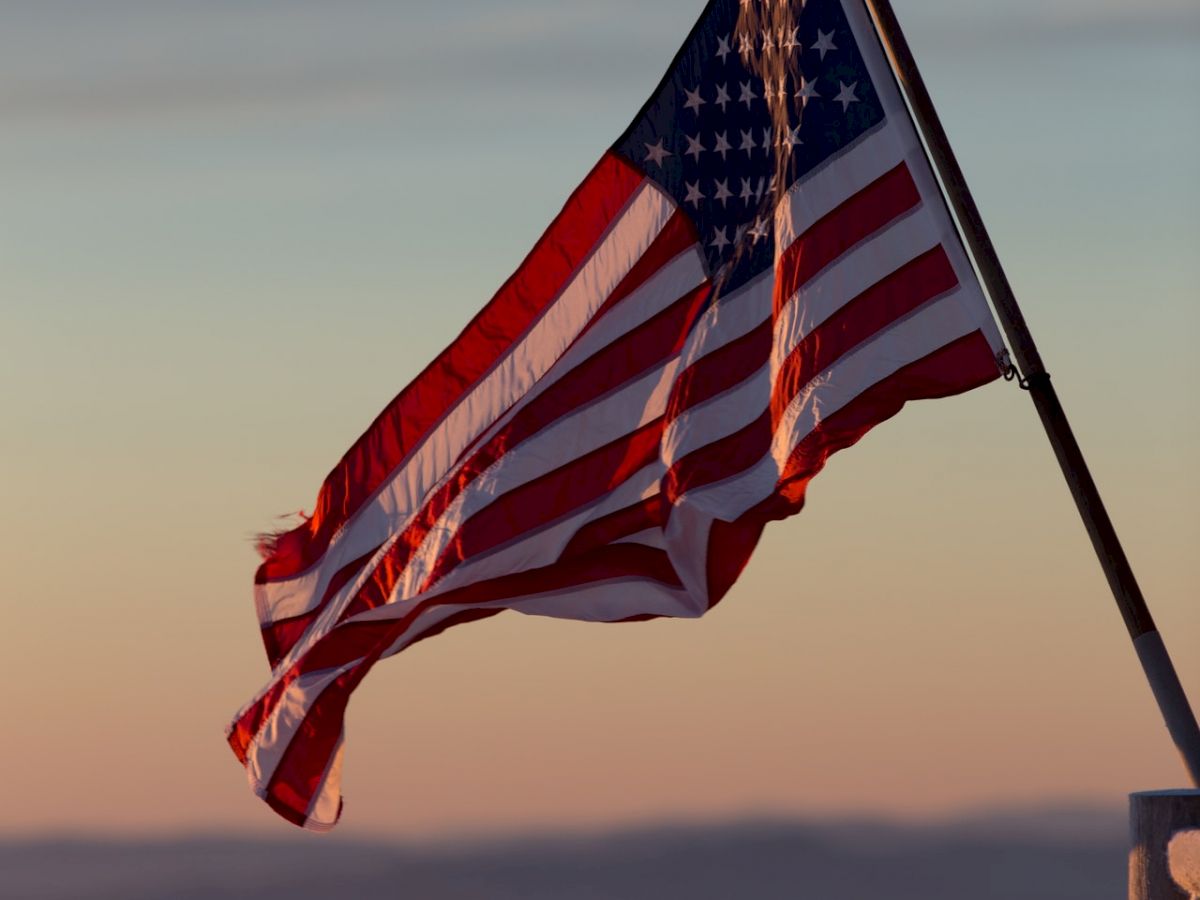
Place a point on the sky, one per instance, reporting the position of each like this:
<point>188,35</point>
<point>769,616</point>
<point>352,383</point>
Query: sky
<point>230,233</point>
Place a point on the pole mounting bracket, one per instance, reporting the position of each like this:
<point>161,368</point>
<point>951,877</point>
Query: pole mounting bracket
<point>1012,373</point>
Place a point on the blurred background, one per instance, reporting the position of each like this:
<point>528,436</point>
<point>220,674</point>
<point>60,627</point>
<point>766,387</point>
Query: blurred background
<point>230,232</point>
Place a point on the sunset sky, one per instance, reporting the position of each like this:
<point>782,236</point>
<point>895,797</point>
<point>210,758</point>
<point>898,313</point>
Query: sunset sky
<point>231,232</point>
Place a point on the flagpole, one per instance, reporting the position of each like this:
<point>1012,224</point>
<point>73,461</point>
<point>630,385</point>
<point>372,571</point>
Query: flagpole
<point>1152,653</point>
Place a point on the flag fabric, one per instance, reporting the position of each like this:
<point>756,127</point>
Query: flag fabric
<point>758,271</point>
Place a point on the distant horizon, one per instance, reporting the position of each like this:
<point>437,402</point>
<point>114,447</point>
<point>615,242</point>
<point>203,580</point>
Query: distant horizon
<point>1050,820</point>
<point>765,859</point>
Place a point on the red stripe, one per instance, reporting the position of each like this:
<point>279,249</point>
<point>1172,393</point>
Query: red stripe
<point>250,722</point>
<point>678,235</point>
<point>720,459</point>
<point>721,370</point>
<point>280,636</point>
<point>912,285</point>
<point>882,201</point>
<point>729,547</point>
<point>648,513</point>
<point>568,241</point>
<point>294,782</point>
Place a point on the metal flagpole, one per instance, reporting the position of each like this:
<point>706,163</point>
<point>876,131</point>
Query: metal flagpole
<point>1164,682</point>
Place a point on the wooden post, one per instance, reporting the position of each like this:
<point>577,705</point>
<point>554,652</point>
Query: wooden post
<point>1151,652</point>
<point>1164,830</point>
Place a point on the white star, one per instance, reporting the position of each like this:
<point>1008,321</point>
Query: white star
<point>720,239</point>
<point>790,137</point>
<point>747,94</point>
<point>722,193</point>
<point>747,191</point>
<point>766,141</point>
<point>693,194</point>
<point>695,148</point>
<point>792,41</point>
<point>723,145</point>
<point>762,186</point>
<point>748,143</point>
<point>656,153</point>
<point>745,44</point>
<point>767,42</point>
<point>722,47</point>
<point>808,90</point>
<point>694,100</point>
<point>824,42</point>
<point>846,94</point>
<point>759,231</point>
<point>722,96</point>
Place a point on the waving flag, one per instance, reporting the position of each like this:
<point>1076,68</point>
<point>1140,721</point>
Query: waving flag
<point>757,272</point>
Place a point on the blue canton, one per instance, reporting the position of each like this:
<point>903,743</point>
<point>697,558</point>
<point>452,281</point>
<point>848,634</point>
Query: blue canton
<point>762,92</point>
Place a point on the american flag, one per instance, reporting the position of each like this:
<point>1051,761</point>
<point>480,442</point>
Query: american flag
<point>759,270</point>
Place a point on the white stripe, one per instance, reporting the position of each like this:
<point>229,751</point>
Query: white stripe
<point>645,215</point>
<point>730,498</point>
<point>327,798</point>
<point>732,316</point>
<point>718,416</point>
<point>838,179</point>
<point>647,537</point>
<point>852,274</point>
<point>672,282</point>
<point>612,601</point>
<point>269,745</point>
